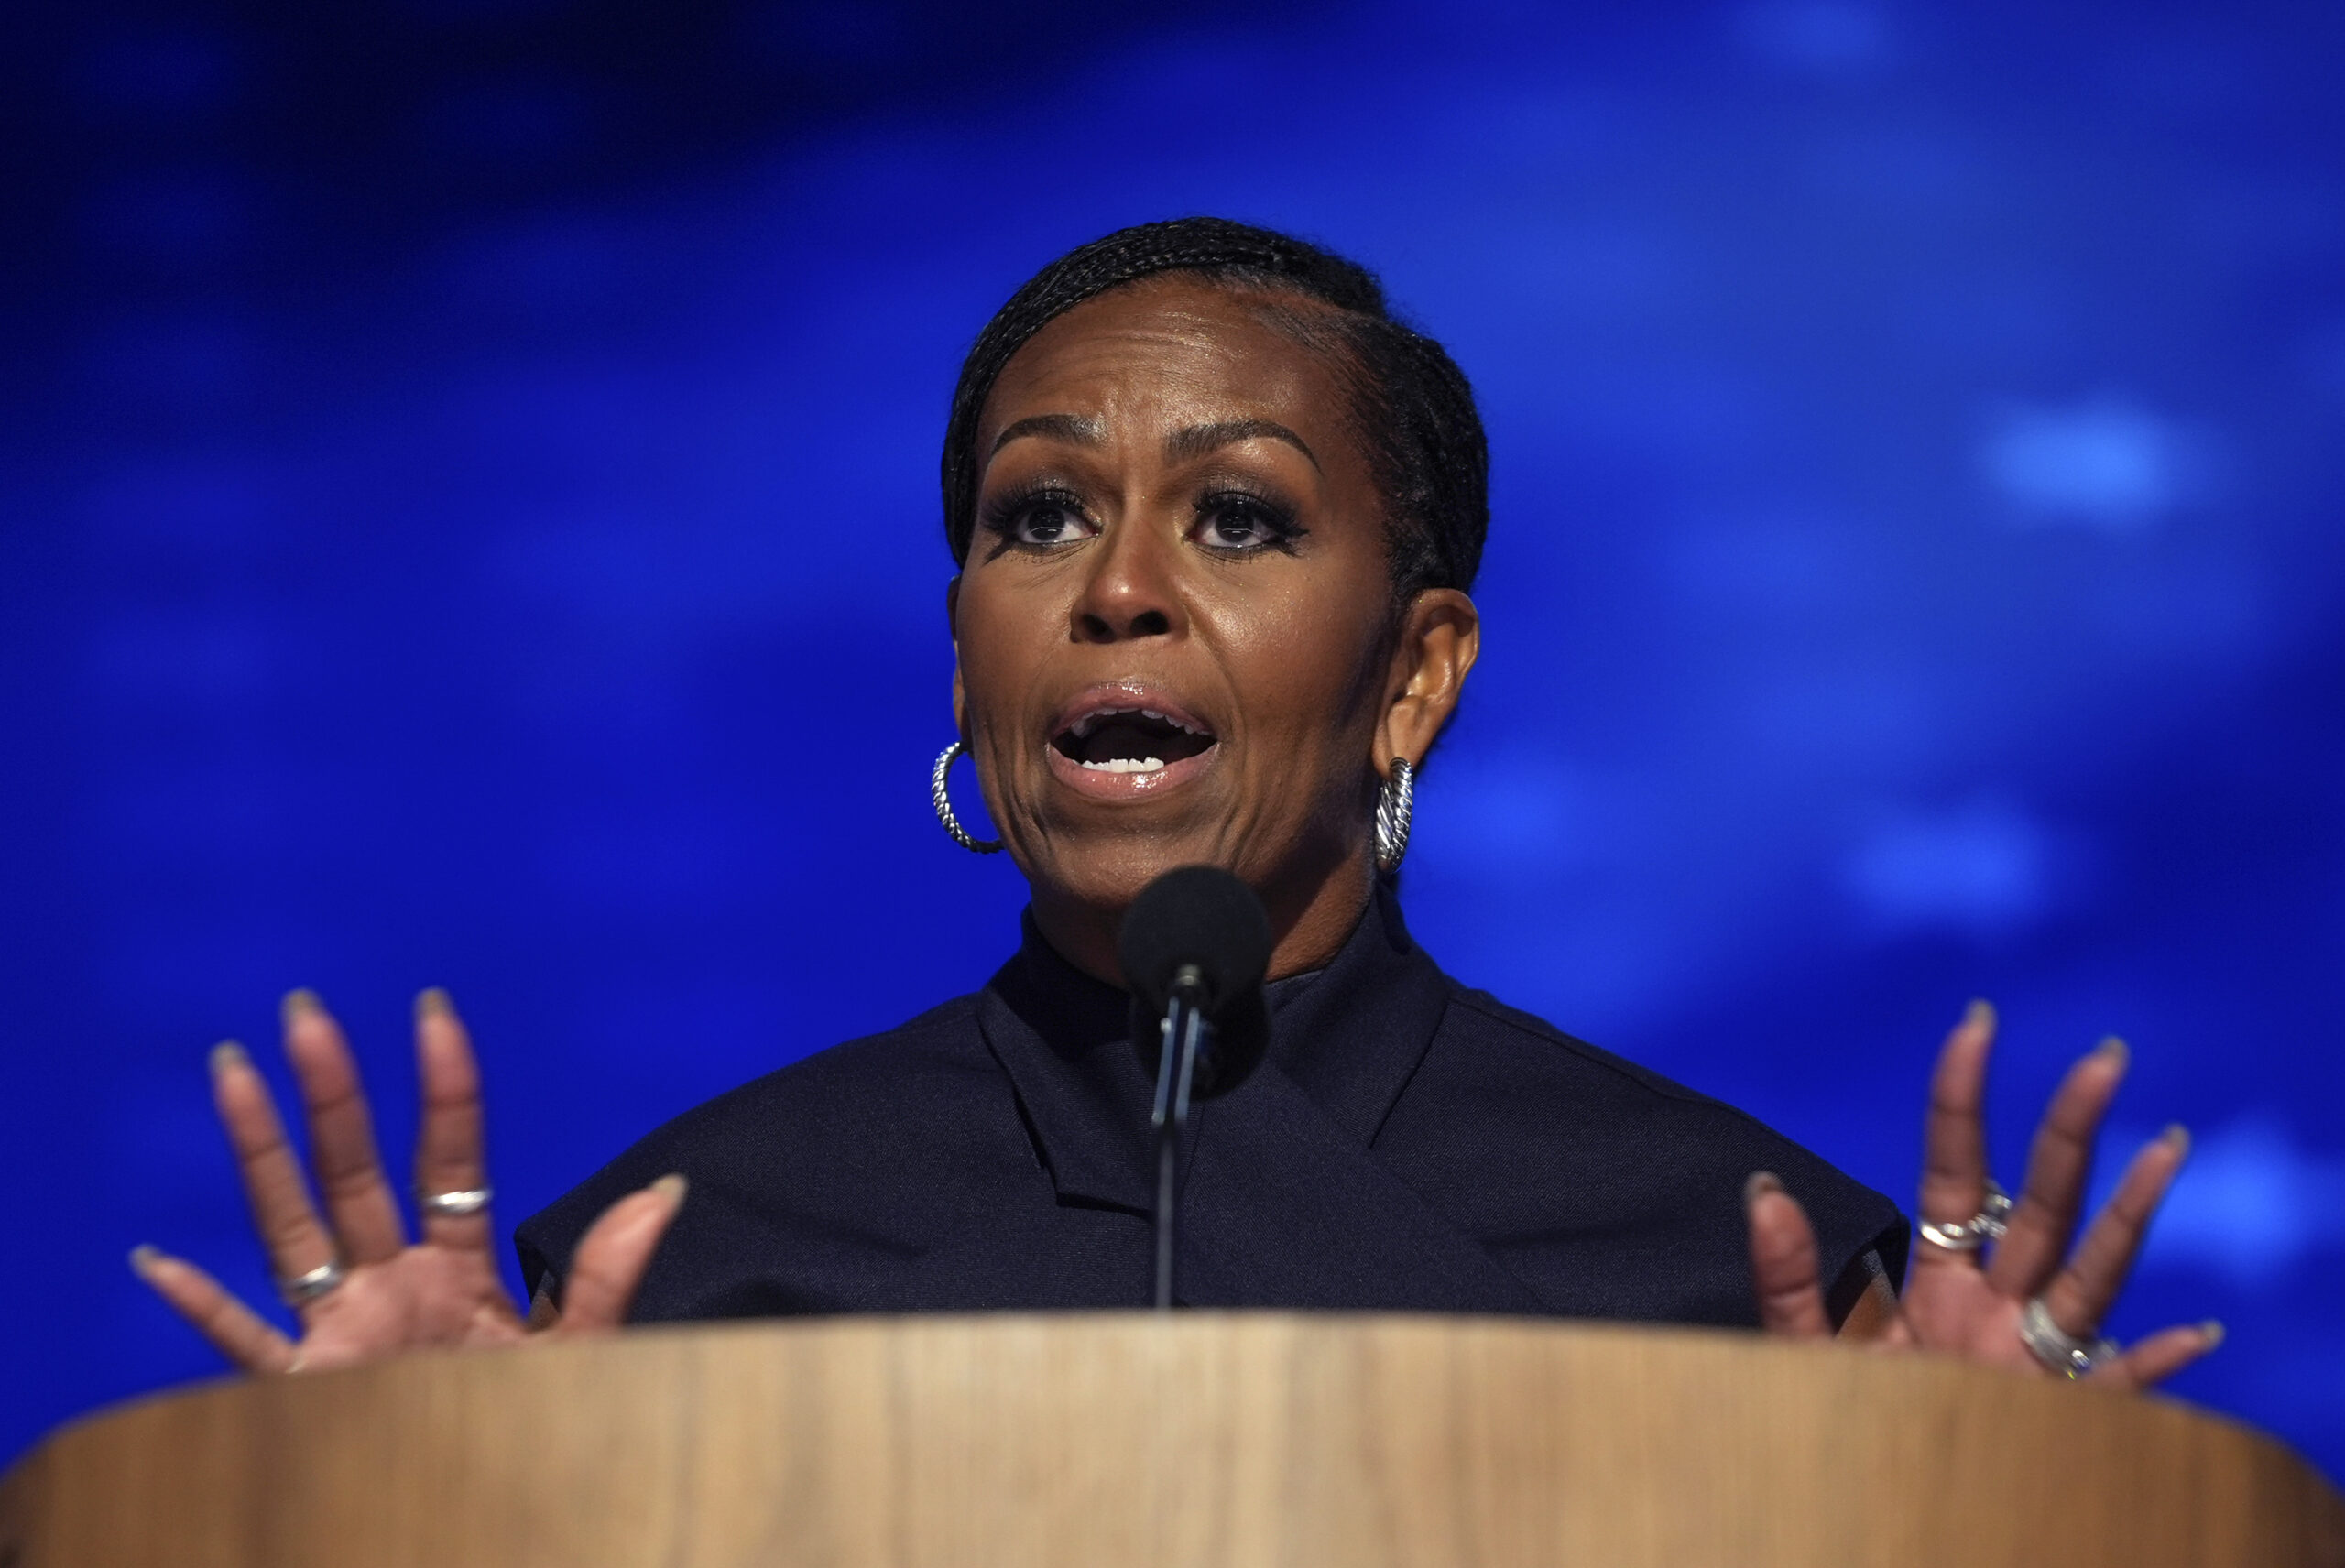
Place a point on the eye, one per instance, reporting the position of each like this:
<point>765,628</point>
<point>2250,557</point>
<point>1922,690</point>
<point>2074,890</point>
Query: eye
<point>1238,523</point>
<point>1041,519</point>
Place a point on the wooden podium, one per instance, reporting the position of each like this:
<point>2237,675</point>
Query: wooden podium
<point>1131,1440</point>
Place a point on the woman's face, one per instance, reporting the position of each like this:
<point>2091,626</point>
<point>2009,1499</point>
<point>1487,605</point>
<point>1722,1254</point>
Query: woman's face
<point>1175,632</point>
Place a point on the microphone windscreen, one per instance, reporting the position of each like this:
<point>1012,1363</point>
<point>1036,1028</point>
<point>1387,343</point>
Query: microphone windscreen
<point>1200,915</point>
<point>1204,916</point>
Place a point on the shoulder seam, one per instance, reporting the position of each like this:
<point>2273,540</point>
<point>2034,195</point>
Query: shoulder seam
<point>1498,1012</point>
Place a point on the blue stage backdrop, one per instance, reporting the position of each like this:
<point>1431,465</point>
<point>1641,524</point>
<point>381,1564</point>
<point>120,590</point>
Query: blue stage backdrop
<point>468,518</point>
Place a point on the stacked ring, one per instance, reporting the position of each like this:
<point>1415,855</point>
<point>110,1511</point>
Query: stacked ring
<point>1989,1224</point>
<point>2055,1347</point>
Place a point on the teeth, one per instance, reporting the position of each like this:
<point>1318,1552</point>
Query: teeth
<point>1128,765</point>
<point>1089,722</point>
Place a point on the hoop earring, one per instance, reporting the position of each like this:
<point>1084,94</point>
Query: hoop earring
<point>945,805</point>
<point>1395,800</point>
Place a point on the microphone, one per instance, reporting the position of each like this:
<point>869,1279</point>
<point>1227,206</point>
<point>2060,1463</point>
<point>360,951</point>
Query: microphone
<point>1194,947</point>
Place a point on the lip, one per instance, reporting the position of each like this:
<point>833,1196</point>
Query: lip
<point>1095,785</point>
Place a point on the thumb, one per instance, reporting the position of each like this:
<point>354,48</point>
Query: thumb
<point>612,1257</point>
<point>1783,1268</point>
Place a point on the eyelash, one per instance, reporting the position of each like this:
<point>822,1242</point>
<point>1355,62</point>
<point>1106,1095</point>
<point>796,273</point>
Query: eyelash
<point>1276,520</point>
<point>1002,515</point>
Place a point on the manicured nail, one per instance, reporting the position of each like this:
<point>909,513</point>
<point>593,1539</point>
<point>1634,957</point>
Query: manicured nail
<point>430,1000</point>
<point>143,1259</point>
<point>2213,1329</point>
<point>1762,1182</point>
<point>672,1187</point>
<point>2178,1136</point>
<point>2117,1051</point>
<point>300,1000</point>
<point>1979,1014</point>
<point>227,1054</point>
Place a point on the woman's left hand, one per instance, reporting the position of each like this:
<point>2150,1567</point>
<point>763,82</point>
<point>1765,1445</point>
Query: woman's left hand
<point>1971,1301</point>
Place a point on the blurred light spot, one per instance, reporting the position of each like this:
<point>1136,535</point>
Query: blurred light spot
<point>1984,868</point>
<point>2106,463</point>
<point>1824,37</point>
<point>2250,1204</point>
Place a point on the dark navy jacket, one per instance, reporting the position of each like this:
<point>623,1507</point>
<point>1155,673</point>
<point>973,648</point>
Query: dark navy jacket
<point>1408,1145</point>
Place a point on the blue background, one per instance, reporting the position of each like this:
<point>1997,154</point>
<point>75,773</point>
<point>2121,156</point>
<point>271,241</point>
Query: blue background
<point>467,473</point>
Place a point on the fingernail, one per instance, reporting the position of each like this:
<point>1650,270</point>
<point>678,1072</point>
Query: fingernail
<point>298,1001</point>
<point>670,1187</point>
<point>227,1054</point>
<point>2178,1136</point>
<point>2213,1329</point>
<point>143,1259</point>
<point>429,1000</point>
<point>1979,1014</point>
<point>1762,1182</point>
<point>2117,1051</point>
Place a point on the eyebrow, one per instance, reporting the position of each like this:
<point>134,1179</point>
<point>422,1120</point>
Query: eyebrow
<point>1060,427</point>
<point>1199,439</point>
<point>1180,446</point>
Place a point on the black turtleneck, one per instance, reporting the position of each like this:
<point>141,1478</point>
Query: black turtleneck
<point>1408,1145</point>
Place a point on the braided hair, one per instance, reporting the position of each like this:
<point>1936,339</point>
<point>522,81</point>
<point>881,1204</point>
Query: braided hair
<point>1412,406</point>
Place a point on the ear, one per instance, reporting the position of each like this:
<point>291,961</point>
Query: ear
<point>952,630</point>
<point>1440,635</point>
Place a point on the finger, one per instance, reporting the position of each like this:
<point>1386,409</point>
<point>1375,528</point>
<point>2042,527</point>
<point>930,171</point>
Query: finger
<point>2081,1295</point>
<point>613,1255</point>
<point>1783,1268</point>
<point>237,1332</point>
<point>2160,1356</point>
<point>358,1202</point>
<point>2046,1215</point>
<point>448,1157</point>
<point>1954,1159</point>
<point>288,1226</point>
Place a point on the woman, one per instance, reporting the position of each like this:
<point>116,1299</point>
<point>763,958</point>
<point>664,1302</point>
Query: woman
<point>1216,515</point>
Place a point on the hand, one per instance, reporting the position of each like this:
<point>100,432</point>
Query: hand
<point>1968,1303</point>
<point>395,1295</point>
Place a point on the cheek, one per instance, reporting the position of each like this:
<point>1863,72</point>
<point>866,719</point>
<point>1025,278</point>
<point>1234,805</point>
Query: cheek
<point>1002,643</point>
<point>1311,675</point>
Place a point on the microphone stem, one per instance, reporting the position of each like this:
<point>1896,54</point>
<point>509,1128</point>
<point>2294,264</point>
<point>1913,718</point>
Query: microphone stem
<point>1185,1030</point>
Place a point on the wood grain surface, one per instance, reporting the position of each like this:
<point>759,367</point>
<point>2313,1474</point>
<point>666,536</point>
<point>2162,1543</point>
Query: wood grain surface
<point>1240,1439</point>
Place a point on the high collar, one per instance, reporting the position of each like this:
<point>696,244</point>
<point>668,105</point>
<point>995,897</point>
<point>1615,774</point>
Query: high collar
<point>1284,1202</point>
<point>1347,1036</point>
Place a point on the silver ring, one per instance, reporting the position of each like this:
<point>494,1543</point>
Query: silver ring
<point>1989,1224</point>
<point>303,1289</point>
<point>455,1205</point>
<point>2062,1352</point>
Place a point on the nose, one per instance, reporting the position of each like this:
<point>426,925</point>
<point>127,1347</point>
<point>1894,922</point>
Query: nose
<point>1130,591</point>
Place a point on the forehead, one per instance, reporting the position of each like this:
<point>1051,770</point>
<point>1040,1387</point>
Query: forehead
<point>1178,348</point>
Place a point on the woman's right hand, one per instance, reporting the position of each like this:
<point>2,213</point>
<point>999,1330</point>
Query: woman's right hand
<point>394,1294</point>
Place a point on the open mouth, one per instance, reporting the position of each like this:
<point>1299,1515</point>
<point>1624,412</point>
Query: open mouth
<point>1129,740</point>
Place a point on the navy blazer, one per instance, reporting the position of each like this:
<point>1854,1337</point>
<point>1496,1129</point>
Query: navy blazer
<point>1408,1145</point>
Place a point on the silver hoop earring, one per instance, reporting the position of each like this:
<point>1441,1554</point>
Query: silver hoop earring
<point>945,805</point>
<point>1394,802</point>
